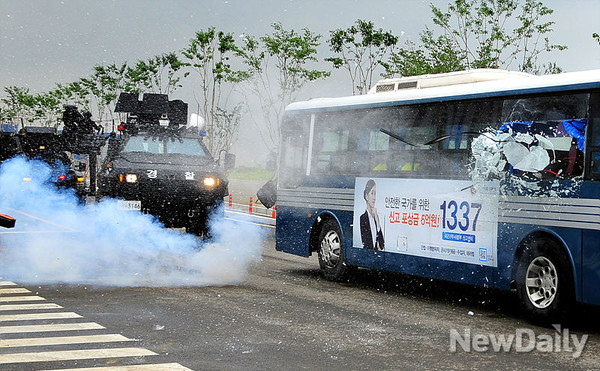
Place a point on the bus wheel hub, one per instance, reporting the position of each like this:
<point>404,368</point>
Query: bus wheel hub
<point>542,282</point>
<point>330,248</point>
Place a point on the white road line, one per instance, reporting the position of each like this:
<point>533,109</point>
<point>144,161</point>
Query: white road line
<point>249,222</point>
<point>37,316</point>
<point>68,229</point>
<point>62,340</point>
<point>7,283</point>
<point>65,355</point>
<point>8,299</point>
<point>51,327</point>
<point>155,367</point>
<point>29,306</point>
<point>18,290</point>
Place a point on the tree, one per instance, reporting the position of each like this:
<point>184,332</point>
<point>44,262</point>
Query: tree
<point>47,108</point>
<point>18,104</point>
<point>97,93</point>
<point>209,54</point>
<point>21,106</point>
<point>597,37</point>
<point>104,86</point>
<point>278,70</point>
<point>74,93</point>
<point>157,74</point>
<point>361,49</point>
<point>437,56</point>
<point>476,34</point>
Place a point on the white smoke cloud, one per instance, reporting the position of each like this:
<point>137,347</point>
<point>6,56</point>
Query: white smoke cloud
<point>57,240</point>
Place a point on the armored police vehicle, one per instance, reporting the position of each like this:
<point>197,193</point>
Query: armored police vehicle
<point>43,144</point>
<point>159,166</point>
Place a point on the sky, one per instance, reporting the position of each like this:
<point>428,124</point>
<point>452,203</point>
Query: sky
<point>47,42</point>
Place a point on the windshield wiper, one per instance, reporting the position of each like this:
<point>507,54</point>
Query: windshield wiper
<point>395,136</point>
<point>444,137</point>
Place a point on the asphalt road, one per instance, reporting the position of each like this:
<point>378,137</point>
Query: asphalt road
<point>285,316</point>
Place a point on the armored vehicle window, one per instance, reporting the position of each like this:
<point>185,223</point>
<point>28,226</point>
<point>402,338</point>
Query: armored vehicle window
<point>140,144</point>
<point>185,146</point>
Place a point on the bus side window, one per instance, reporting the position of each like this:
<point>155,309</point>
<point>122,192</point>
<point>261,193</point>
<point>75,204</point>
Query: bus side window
<point>331,152</point>
<point>593,144</point>
<point>549,132</point>
<point>595,163</point>
<point>294,151</point>
<point>379,144</point>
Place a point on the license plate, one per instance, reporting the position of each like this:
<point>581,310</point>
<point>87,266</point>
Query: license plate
<point>129,205</point>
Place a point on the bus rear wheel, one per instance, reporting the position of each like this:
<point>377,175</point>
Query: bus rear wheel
<point>331,252</point>
<point>544,281</point>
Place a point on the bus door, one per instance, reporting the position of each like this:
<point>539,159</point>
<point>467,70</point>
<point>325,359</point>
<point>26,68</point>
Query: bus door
<point>590,250</point>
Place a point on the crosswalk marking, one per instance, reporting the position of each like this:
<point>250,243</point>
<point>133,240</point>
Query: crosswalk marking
<point>63,355</point>
<point>156,367</point>
<point>12,295</point>
<point>8,299</point>
<point>29,306</point>
<point>51,327</point>
<point>37,316</point>
<point>18,290</point>
<point>62,340</point>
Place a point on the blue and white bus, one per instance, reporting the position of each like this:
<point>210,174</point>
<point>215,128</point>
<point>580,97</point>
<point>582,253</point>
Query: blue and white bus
<point>483,177</point>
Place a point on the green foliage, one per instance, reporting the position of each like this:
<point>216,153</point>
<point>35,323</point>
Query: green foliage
<point>74,93</point>
<point>103,86</point>
<point>475,34</point>
<point>158,74</point>
<point>274,88</point>
<point>292,52</point>
<point>20,106</point>
<point>361,49</point>
<point>210,55</point>
<point>17,103</point>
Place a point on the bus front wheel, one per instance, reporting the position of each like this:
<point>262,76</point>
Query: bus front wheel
<point>544,281</point>
<point>331,252</point>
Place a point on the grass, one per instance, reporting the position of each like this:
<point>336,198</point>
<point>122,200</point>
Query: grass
<point>250,173</point>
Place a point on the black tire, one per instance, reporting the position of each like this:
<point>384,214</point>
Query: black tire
<point>331,252</point>
<point>545,282</point>
<point>200,223</point>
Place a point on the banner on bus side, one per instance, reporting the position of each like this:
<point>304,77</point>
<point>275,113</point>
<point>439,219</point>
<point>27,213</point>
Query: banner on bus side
<point>452,220</point>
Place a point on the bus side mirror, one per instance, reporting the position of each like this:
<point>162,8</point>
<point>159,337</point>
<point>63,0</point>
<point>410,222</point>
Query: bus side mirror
<point>267,194</point>
<point>227,161</point>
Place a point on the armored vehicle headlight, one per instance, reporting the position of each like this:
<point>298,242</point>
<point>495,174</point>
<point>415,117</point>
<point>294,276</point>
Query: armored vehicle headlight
<point>131,178</point>
<point>210,181</point>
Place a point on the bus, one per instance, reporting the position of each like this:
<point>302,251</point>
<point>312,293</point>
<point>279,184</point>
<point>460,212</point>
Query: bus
<point>483,177</point>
